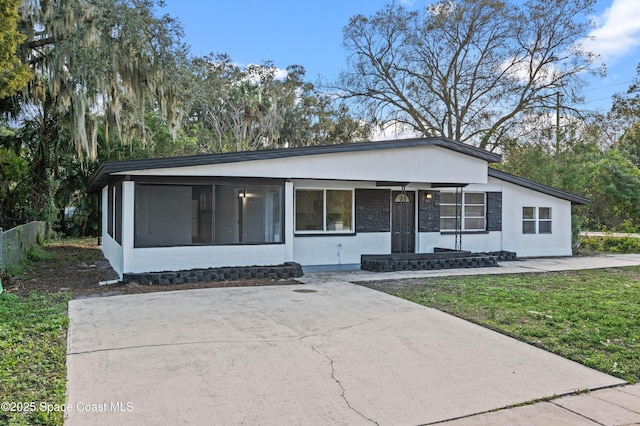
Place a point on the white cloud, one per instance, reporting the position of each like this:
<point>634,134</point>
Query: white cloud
<point>618,30</point>
<point>254,77</point>
<point>281,74</point>
<point>393,130</point>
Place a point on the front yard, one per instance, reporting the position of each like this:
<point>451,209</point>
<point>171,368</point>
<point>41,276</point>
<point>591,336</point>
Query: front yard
<point>592,317</point>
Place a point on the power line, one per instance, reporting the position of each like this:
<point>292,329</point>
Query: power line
<point>610,85</point>
<point>596,100</point>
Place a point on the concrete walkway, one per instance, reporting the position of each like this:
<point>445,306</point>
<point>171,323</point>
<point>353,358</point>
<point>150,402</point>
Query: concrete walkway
<point>524,266</point>
<point>328,352</point>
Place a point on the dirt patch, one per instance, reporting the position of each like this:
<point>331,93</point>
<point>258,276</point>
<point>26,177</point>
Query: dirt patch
<point>77,267</point>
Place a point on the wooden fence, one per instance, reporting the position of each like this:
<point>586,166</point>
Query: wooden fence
<point>15,242</point>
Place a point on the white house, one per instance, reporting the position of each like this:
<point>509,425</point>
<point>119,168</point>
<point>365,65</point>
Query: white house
<point>323,205</point>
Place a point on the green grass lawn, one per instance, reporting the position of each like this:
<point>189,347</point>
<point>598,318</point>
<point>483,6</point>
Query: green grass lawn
<point>33,333</point>
<point>592,317</point>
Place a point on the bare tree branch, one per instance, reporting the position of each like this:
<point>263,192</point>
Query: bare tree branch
<point>470,70</point>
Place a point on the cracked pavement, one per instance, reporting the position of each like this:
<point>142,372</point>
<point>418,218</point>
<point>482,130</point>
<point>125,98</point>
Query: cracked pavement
<point>336,353</point>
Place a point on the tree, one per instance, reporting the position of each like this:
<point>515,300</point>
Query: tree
<point>469,70</point>
<point>255,108</point>
<point>625,112</point>
<point>110,57</point>
<point>14,75</point>
<point>613,187</point>
<point>15,190</point>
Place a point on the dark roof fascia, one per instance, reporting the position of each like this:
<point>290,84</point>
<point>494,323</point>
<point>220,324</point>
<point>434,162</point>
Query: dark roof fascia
<point>102,175</point>
<point>516,180</point>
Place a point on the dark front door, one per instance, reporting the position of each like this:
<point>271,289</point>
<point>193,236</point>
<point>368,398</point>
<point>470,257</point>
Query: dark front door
<point>403,222</point>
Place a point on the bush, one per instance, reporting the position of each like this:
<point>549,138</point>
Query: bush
<point>37,254</point>
<point>609,245</point>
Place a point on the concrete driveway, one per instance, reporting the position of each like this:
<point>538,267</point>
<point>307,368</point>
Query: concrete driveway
<point>329,353</point>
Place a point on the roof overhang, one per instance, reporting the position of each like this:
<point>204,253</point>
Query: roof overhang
<point>516,180</point>
<point>108,171</point>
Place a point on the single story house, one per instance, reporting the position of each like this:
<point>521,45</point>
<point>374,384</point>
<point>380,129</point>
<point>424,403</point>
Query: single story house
<point>323,205</point>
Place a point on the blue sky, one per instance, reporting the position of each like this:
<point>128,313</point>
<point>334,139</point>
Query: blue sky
<point>309,33</point>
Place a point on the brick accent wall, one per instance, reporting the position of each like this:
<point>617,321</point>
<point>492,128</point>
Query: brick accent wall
<point>428,261</point>
<point>448,259</point>
<point>373,210</point>
<point>494,211</point>
<point>428,211</point>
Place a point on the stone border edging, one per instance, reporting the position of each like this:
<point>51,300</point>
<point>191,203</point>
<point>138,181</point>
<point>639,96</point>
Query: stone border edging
<point>285,271</point>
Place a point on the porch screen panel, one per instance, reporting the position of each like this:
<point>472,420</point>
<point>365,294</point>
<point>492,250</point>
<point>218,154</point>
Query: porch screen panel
<point>110,210</point>
<point>201,214</point>
<point>261,216</point>
<point>163,215</point>
<point>226,214</point>
<point>214,214</point>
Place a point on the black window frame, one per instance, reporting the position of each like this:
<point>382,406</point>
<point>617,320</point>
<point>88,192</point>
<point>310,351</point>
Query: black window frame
<point>325,219</point>
<point>197,181</point>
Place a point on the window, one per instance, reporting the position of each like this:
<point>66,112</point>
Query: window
<point>324,210</point>
<point>544,220</point>
<point>532,224</point>
<point>178,215</point>
<point>528,220</point>
<point>309,210</point>
<point>470,212</point>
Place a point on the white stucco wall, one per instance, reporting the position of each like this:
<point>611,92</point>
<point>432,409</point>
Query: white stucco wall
<point>558,243</point>
<point>339,250</point>
<point>111,250</point>
<point>413,164</point>
<point>514,198</point>
<point>183,258</point>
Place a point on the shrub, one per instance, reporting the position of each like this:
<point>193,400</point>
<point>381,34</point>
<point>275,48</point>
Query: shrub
<point>37,254</point>
<point>609,244</point>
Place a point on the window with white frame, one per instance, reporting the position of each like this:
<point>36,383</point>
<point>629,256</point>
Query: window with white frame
<point>536,220</point>
<point>324,210</point>
<point>469,208</point>
<point>528,220</point>
<point>544,220</point>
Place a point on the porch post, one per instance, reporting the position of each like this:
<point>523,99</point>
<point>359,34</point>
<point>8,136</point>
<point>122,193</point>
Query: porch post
<point>128,210</point>
<point>288,221</point>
